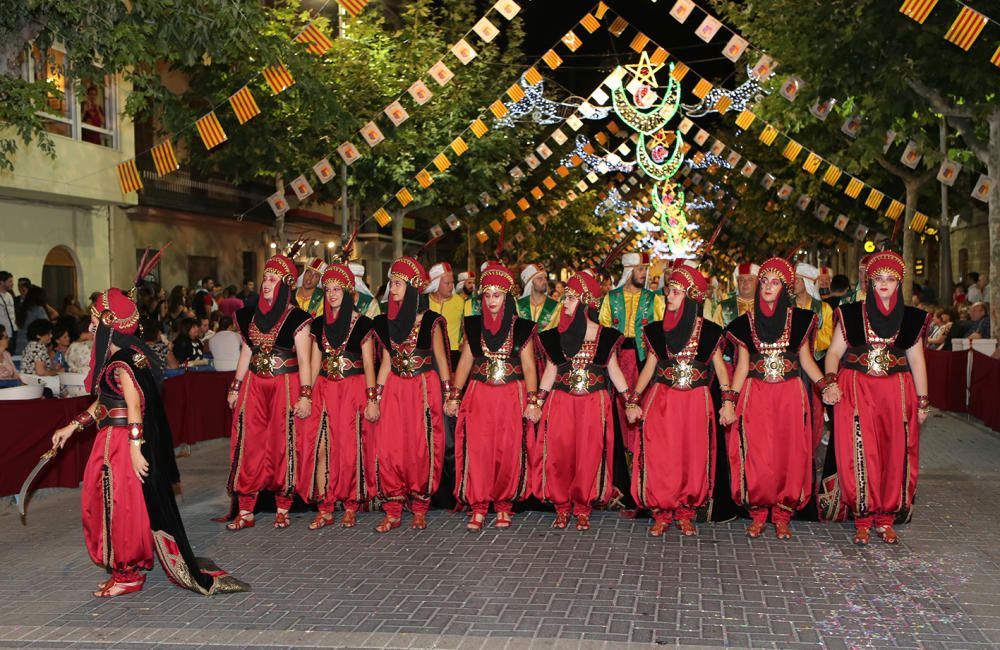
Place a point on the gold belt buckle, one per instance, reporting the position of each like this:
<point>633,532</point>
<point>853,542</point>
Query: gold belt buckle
<point>774,367</point>
<point>405,363</point>
<point>335,366</point>
<point>579,380</point>
<point>263,361</point>
<point>683,374</point>
<point>496,370</point>
<point>879,361</point>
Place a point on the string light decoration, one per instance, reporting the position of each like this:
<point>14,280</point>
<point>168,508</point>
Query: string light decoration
<point>709,159</point>
<point>699,204</point>
<point>536,108</point>
<point>594,163</point>
<point>636,111</point>
<point>659,162</point>
<point>669,234</point>
<point>750,91</point>
<point>615,204</point>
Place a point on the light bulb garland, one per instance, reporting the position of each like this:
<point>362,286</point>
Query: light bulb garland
<point>706,160</point>
<point>750,91</point>
<point>536,108</point>
<point>614,203</point>
<point>594,163</point>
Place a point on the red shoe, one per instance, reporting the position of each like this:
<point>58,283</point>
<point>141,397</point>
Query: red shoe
<point>243,520</point>
<point>756,529</point>
<point>658,528</point>
<point>419,521</point>
<point>686,527</point>
<point>281,520</point>
<point>583,522</point>
<point>562,520</point>
<point>111,588</point>
<point>887,534</point>
<point>862,535</point>
<point>783,531</point>
<point>476,522</point>
<point>322,520</point>
<point>387,524</point>
<point>350,519</point>
<point>628,514</point>
<point>503,520</point>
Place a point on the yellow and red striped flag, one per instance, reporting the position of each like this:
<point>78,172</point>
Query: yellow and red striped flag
<point>498,109</point>
<point>874,199</point>
<point>894,210</point>
<point>479,128</point>
<point>382,217</point>
<point>552,59</point>
<point>244,105</point>
<point>918,10</point>
<point>601,10</point>
<point>441,162</point>
<point>639,42</point>
<point>832,175</point>
<point>701,88</point>
<point>516,94</point>
<point>723,104</point>
<point>768,135</point>
<point>404,197</point>
<point>425,179</point>
<point>314,39</point>
<point>995,59</point>
<point>658,56</point>
<point>164,158</point>
<point>854,187</point>
<point>533,77</point>
<point>812,163</point>
<point>278,78</point>
<point>353,7</point>
<point>549,183</point>
<point>563,171</point>
<point>590,23</point>
<point>679,71</point>
<point>966,28</point>
<point>459,146</point>
<point>792,150</point>
<point>745,119</point>
<point>128,177</point>
<point>919,222</point>
<point>618,26</point>
<point>211,131</point>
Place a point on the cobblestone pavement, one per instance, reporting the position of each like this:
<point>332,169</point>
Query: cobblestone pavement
<point>532,586</point>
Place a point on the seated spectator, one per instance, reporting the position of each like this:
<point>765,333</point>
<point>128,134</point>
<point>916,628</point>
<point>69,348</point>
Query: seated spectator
<point>61,340</point>
<point>225,345</point>
<point>230,303</point>
<point>975,291</point>
<point>153,339</point>
<point>205,328</point>
<point>78,355</point>
<point>187,346</point>
<point>944,319</point>
<point>980,322</point>
<point>37,358</point>
<point>958,296</point>
<point>71,307</point>
<point>33,308</point>
<point>8,371</point>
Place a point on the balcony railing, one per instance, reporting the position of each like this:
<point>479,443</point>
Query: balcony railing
<point>178,191</point>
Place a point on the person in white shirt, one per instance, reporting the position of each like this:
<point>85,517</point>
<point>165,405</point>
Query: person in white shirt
<point>977,288</point>
<point>8,316</point>
<point>225,345</point>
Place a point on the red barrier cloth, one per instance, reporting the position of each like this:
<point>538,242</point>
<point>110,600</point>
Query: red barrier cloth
<point>27,434</point>
<point>985,389</point>
<point>946,379</point>
<point>196,407</point>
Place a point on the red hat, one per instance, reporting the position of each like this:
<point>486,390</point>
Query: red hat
<point>497,276</point>
<point>864,260</point>
<point>116,310</point>
<point>585,287</point>
<point>747,268</point>
<point>690,280</point>
<point>885,261</point>
<point>315,264</point>
<point>410,271</point>
<point>782,267</point>
<point>283,267</point>
<point>340,275</point>
<point>825,270</point>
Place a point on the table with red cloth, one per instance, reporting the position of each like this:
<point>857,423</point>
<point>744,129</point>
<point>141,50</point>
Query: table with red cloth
<point>27,434</point>
<point>984,390</point>
<point>946,379</point>
<point>196,406</point>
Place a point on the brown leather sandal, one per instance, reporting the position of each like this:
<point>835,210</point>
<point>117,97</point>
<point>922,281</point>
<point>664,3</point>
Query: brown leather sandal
<point>756,529</point>
<point>686,527</point>
<point>562,520</point>
<point>658,528</point>
<point>583,522</point>
<point>888,534</point>
<point>862,535</point>
<point>387,524</point>
<point>419,521</point>
<point>783,531</point>
<point>322,520</point>
<point>350,519</point>
<point>242,520</point>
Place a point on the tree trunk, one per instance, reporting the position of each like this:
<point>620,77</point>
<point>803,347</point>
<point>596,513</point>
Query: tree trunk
<point>909,237</point>
<point>397,234</point>
<point>279,220</point>
<point>993,169</point>
<point>944,231</point>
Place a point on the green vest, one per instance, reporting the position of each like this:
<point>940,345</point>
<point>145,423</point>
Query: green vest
<point>817,308</point>
<point>315,301</point>
<point>366,302</point>
<point>643,315</point>
<point>730,309</point>
<point>544,316</point>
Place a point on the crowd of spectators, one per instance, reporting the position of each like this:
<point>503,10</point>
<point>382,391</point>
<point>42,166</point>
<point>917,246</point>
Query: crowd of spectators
<point>967,317</point>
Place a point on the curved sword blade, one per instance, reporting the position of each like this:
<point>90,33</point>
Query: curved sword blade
<point>22,496</point>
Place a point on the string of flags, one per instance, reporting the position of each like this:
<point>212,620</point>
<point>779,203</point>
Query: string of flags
<point>964,31</point>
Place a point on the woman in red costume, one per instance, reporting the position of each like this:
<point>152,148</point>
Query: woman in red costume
<point>674,468</point>
<point>412,380</point>
<point>878,348</point>
<point>271,395</point>
<point>575,442</point>
<point>770,444</point>
<point>336,445</point>
<point>495,415</point>
<point>129,512</point>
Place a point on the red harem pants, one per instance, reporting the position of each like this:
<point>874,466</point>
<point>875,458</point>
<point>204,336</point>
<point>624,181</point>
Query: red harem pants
<point>575,451</point>
<point>335,446</point>
<point>409,442</point>
<point>877,443</point>
<point>674,467</point>
<point>628,361</point>
<point>264,439</point>
<point>115,521</point>
<point>491,446</point>
<point>770,449</point>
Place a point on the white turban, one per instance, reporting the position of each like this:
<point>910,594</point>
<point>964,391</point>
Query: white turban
<point>528,274</point>
<point>744,269</point>
<point>358,269</point>
<point>463,276</point>
<point>630,261</point>
<point>435,273</point>
<point>808,273</point>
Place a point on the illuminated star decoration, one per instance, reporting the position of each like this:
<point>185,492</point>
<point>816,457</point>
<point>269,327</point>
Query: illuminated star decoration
<point>645,70</point>
<point>614,203</point>
<point>741,96</point>
<point>534,107</point>
<point>708,160</point>
<point>596,164</point>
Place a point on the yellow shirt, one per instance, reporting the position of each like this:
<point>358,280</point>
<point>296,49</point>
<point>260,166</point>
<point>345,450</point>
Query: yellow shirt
<point>631,304</point>
<point>712,311</point>
<point>824,335</point>
<point>452,309</point>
